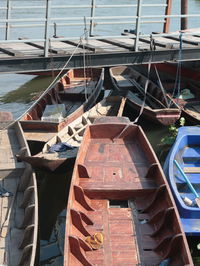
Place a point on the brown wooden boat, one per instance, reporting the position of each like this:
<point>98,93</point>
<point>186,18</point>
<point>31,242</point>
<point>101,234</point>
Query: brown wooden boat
<point>62,103</point>
<point>120,209</point>
<point>188,98</point>
<point>18,201</point>
<point>72,135</point>
<point>158,106</point>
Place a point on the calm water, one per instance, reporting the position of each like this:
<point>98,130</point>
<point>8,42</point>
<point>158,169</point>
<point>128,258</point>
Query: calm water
<point>17,92</point>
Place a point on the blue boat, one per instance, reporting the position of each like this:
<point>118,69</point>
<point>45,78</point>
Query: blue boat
<point>186,152</point>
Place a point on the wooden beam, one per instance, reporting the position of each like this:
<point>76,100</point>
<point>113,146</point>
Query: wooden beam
<point>117,43</point>
<point>167,13</point>
<point>10,51</point>
<point>185,39</point>
<point>194,170</point>
<point>41,47</point>
<point>147,40</point>
<point>86,46</point>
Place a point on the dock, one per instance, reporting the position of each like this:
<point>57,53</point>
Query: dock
<point>84,41</point>
<point>28,56</point>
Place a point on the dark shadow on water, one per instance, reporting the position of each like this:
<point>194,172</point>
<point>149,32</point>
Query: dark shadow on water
<point>29,91</point>
<point>53,190</point>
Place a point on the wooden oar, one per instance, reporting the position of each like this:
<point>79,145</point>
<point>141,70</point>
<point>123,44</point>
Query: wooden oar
<point>197,199</point>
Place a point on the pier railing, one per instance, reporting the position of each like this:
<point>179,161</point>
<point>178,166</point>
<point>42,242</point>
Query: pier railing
<point>46,18</point>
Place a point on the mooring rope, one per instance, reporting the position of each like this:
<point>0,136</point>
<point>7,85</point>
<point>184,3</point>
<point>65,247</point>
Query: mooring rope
<point>152,46</point>
<point>84,58</point>
<point>49,87</point>
<point>177,83</point>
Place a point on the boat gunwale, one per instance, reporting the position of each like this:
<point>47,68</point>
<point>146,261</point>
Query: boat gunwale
<point>85,105</point>
<point>174,151</point>
<point>74,182</point>
<point>16,126</point>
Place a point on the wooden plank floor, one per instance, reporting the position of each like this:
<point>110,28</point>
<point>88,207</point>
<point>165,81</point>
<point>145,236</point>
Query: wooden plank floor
<point>12,170</point>
<point>115,166</point>
<point>97,46</point>
<point>9,147</point>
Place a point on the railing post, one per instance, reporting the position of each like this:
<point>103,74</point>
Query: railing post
<point>47,27</point>
<point>184,11</point>
<point>168,10</point>
<point>137,30</point>
<point>7,33</point>
<point>93,4</point>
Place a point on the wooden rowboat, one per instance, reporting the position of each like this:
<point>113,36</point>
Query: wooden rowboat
<point>70,97</point>
<point>158,107</point>
<point>72,135</point>
<point>18,201</point>
<point>120,209</point>
<point>186,152</point>
<point>187,97</point>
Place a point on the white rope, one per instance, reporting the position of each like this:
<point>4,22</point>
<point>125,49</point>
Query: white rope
<point>161,86</point>
<point>144,100</point>
<point>49,87</point>
<point>145,91</point>
<point>177,82</point>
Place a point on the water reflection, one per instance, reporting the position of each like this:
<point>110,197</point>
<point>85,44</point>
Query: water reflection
<point>18,91</point>
<point>28,91</point>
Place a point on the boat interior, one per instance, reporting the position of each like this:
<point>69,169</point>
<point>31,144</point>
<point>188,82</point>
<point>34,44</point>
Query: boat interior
<point>118,190</point>
<point>189,159</point>
<point>72,90</point>
<point>62,103</point>
<point>73,133</point>
<point>18,201</point>
<point>129,79</point>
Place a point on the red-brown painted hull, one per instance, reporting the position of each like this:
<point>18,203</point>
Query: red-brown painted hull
<point>31,121</point>
<point>189,80</point>
<point>159,111</point>
<point>118,189</point>
<point>164,117</point>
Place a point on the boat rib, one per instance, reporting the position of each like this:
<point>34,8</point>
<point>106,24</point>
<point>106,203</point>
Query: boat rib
<point>120,209</point>
<point>18,201</point>
<point>72,135</point>
<point>72,95</point>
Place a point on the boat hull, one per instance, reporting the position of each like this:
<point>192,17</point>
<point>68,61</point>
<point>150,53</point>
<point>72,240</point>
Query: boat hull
<point>120,208</point>
<point>19,208</point>
<point>70,91</point>
<point>153,105</point>
<point>185,152</point>
<point>58,158</point>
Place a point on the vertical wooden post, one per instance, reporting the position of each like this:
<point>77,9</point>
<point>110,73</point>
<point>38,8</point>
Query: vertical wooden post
<point>168,10</point>
<point>137,29</point>
<point>184,11</point>
<point>7,33</point>
<point>47,27</point>
<point>93,4</point>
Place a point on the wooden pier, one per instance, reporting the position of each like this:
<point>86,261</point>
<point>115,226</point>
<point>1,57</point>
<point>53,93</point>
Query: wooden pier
<point>28,56</point>
<point>88,45</point>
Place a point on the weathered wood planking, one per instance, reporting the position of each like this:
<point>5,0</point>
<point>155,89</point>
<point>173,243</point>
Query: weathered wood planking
<point>96,46</point>
<point>194,170</point>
